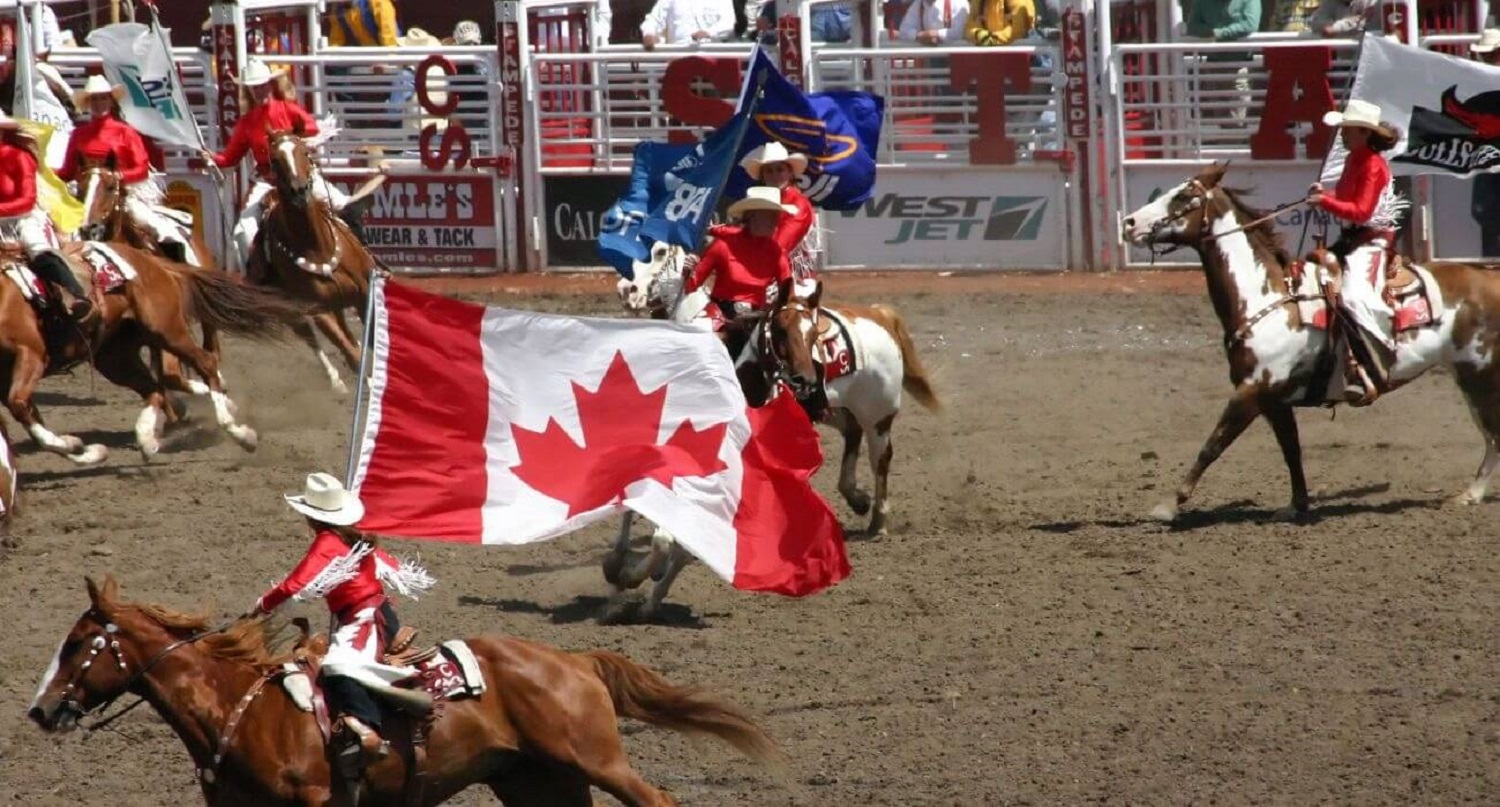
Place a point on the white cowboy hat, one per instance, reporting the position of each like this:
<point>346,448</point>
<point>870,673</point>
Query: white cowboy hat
<point>98,85</point>
<point>773,152</point>
<point>760,197</point>
<point>1358,113</point>
<point>1489,39</point>
<point>257,73</point>
<point>418,38</point>
<point>324,499</point>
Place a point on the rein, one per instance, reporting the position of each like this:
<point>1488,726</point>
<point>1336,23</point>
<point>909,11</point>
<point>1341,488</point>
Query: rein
<point>114,644</point>
<point>1262,220</point>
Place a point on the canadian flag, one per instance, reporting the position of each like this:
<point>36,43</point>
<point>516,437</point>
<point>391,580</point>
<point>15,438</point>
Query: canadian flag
<point>492,426</point>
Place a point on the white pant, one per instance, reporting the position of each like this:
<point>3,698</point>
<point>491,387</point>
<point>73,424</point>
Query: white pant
<point>33,231</point>
<point>354,652</point>
<point>249,223</point>
<point>141,200</point>
<point>1363,287</point>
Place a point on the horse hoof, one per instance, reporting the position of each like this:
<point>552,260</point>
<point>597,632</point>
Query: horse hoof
<point>614,563</point>
<point>92,454</point>
<point>340,387</point>
<point>1166,512</point>
<point>859,502</point>
<point>1466,499</point>
<point>198,387</point>
<point>71,444</point>
<point>616,611</point>
<point>245,436</point>
<point>149,450</point>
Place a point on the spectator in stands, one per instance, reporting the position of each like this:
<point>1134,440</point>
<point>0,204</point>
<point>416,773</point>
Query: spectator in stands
<point>685,22</point>
<point>831,22</point>
<point>467,34</point>
<point>1225,21</point>
<point>933,22</point>
<point>1291,16</point>
<point>1345,17</point>
<point>1485,206</point>
<point>363,24</point>
<point>999,22</point>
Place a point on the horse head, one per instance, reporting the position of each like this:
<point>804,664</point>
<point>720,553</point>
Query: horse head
<point>292,165</point>
<point>103,192</point>
<point>93,664</point>
<point>791,341</point>
<point>657,284</point>
<point>1179,216</point>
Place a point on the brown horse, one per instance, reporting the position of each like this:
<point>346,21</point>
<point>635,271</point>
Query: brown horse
<point>1276,328</point>
<point>542,733</point>
<point>151,310</point>
<point>106,218</point>
<point>307,251</point>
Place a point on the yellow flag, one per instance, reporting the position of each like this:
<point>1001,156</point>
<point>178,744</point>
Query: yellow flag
<point>51,193</point>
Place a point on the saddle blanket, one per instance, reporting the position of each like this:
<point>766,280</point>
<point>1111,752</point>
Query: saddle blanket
<point>836,349</point>
<point>449,671</point>
<point>1417,305</point>
<point>111,272</point>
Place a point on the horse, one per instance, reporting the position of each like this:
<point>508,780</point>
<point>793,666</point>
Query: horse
<point>543,731</point>
<point>106,218</point>
<point>312,255</point>
<point>1276,337</point>
<point>149,310</point>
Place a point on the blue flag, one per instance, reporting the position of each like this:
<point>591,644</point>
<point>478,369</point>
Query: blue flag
<point>693,185</point>
<point>839,131</point>
<point>620,243</point>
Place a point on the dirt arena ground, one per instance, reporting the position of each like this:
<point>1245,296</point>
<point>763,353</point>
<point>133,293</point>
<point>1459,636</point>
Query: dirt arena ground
<point>1023,635</point>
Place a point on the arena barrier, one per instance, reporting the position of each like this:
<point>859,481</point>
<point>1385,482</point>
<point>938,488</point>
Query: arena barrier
<point>505,157</point>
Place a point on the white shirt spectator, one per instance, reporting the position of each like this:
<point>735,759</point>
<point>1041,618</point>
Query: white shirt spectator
<point>674,22</point>
<point>51,31</point>
<point>947,17</point>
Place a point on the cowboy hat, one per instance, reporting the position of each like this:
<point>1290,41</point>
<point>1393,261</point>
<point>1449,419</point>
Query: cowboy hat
<point>1362,114</point>
<point>1489,39</point>
<point>418,38</point>
<point>773,152</point>
<point>98,85</point>
<point>760,197</point>
<point>257,73</point>
<point>467,33</point>
<point>324,499</point>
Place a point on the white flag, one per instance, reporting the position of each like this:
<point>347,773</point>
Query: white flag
<point>1447,108</point>
<point>136,57</point>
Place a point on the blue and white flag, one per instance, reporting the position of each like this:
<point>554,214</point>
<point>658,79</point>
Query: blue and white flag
<point>136,57</point>
<point>620,243</point>
<point>839,131</point>
<point>693,185</point>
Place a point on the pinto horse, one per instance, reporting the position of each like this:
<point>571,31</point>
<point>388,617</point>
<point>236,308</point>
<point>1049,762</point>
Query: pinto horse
<point>1276,335</point>
<point>307,251</point>
<point>150,310</point>
<point>541,734</point>
<point>105,218</point>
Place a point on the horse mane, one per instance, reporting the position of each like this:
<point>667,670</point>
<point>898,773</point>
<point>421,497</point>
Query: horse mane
<point>1267,231</point>
<point>251,642</point>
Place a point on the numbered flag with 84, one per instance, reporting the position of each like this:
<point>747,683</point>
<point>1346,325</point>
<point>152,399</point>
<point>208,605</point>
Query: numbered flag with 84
<point>693,186</point>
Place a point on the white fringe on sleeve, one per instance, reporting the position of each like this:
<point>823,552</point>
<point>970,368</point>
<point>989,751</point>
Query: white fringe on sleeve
<point>338,572</point>
<point>409,578</point>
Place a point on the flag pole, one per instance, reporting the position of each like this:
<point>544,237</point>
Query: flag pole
<point>1323,166</point>
<point>366,349</point>
<point>750,99</point>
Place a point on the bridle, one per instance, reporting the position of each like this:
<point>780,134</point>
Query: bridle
<point>776,366</point>
<point>100,229</point>
<point>299,199</point>
<point>106,638</point>
<point>1198,204</point>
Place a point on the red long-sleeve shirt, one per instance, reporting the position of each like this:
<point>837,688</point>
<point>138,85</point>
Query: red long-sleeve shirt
<point>743,267</point>
<point>98,139</point>
<point>1366,175</point>
<point>17,181</point>
<point>251,133</point>
<point>794,228</point>
<point>327,547</point>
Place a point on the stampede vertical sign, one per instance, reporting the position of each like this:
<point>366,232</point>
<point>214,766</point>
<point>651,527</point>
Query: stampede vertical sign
<point>789,42</point>
<point>1075,53</point>
<point>508,36</point>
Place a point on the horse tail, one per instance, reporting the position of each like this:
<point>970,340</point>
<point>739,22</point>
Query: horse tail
<point>913,375</point>
<point>225,303</point>
<point>640,694</point>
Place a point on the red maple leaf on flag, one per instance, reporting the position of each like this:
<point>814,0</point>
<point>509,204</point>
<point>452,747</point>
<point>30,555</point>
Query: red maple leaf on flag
<point>620,427</point>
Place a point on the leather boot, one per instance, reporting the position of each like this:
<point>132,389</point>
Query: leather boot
<point>52,268</point>
<point>353,215</point>
<point>371,744</point>
<point>175,251</point>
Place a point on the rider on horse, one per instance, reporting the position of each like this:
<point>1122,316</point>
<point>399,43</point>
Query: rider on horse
<point>107,134</point>
<point>773,166</point>
<point>23,221</point>
<point>270,110</point>
<point>1365,199</point>
<point>345,567</point>
<point>746,260</point>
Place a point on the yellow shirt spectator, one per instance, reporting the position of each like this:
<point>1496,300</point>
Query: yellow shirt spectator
<point>999,22</point>
<point>364,23</point>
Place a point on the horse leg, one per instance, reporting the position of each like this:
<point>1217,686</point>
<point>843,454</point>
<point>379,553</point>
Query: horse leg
<point>119,361</point>
<point>333,326</point>
<point>591,745</point>
<point>848,484</point>
<point>539,785</point>
<point>304,329</point>
<point>1284,423</point>
<point>26,373</point>
<point>881,450</point>
<point>677,559</point>
<point>178,340</point>
<point>1238,414</point>
<point>1482,395</point>
<point>614,562</point>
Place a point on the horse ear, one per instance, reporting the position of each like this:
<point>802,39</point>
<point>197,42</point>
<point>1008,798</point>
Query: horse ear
<point>817,295</point>
<point>1213,174</point>
<point>102,595</point>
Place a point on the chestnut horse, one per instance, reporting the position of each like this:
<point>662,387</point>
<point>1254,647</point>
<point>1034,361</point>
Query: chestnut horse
<point>308,252</point>
<point>542,733</point>
<point>105,218</point>
<point>151,310</point>
<point>1279,355</point>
